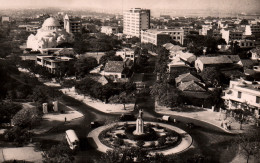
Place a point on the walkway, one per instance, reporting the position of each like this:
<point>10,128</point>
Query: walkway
<point>183,146</point>
<point>99,105</point>
<point>205,115</point>
<point>23,153</point>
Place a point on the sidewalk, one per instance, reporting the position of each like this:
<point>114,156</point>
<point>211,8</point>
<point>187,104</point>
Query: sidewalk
<point>22,153</point>
<point>97,104</point>
<point>208,116</point>
<point>52,120</point>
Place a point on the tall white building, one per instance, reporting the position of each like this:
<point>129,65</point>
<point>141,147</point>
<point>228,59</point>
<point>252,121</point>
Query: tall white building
<point>135,20</point>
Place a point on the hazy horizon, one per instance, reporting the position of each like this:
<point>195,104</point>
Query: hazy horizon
<point>248,6</point>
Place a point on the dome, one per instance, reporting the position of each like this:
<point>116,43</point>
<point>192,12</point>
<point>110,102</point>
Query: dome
<point>51,22</point>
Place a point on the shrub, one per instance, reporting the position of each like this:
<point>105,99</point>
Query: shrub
<point>18,135</point>
<point>152,144</point>
<point>27,117</point>
<point>140,143</point>
<point>118,142</point>
<point>161,141</point>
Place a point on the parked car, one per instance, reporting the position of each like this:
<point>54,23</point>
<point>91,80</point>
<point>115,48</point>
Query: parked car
<point>95,124</point>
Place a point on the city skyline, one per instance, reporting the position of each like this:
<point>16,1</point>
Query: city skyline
<point>247,6</point>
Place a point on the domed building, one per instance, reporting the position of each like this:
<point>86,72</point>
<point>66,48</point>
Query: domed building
<point>49,36</point>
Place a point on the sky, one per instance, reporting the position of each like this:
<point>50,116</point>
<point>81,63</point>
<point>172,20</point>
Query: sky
<point>219,5</point>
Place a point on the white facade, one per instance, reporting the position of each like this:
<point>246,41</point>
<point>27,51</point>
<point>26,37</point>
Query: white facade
<point>49,36</point>
<point>205,29</point>
<point>126,54</point>
<point>52,63</point>
<point>242,95</point>
<point>135,20</point>
<point>225,35</point>
<point>108,30</point>
<point>155,36</point>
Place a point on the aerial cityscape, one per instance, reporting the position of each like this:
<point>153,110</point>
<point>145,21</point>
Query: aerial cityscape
<point>130,81</point>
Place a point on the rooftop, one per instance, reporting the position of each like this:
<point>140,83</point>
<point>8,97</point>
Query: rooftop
<point>215,60</point>
<point>186,77</point>
<point>114,66</point>
<point>51,22</point>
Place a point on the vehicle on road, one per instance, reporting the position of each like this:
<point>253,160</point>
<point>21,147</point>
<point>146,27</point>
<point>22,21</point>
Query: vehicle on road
<point>95,124</point>
<point>72,139</point>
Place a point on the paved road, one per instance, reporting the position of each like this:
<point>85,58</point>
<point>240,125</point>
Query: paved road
<point>208,139</point>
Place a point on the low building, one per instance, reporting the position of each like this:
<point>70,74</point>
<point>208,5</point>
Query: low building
<point>52,63</point>
<point>162,36</point>
<point>118,69</point>
<point>191,86</point>
<point>126,53</point>
<point>220,61</point>
<point>108,30</point>
<point>186,78</point>
<point>138,79</point>
<point>255,53</point>
<point>6,19</point>
<point>243,94</point>
<point>246,43</point>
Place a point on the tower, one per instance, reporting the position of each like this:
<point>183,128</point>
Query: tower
<point>135,20</point>
<point>139,124</point>
<point>67,23</point>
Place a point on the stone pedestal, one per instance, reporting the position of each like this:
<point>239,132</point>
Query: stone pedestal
<point>55,106</point>
<point>139,124</point>
<point>45,108</point>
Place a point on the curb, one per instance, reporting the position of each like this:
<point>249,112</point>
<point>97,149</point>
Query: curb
<point>227,131</point>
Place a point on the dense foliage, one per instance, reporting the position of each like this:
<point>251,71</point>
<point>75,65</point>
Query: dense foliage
<point>27,117</point>
<point>7,111</point>
<point>60,153</point>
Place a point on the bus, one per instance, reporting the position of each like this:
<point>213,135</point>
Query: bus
<point>72,139</point>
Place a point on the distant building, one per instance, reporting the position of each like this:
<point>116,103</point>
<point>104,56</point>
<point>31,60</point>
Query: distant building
<point>117,69</point>
<point>186,78</point>
<point>243,95</point>
<point>72,25</point>
<point>48,36</point>
<point>32,28</point>
<point>108,30</point>
<point>6,19</point>
<point>220,61</point>
<point>255,53</point>
<point>246,43</point>
<point>126,53</point>
<point>205,29</point>
<point>135,20</point>
<point>162,36</point>
<point>52,63</point>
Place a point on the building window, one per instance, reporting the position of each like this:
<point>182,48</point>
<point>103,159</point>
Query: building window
<point>257,99</point>
<point>239,94</point>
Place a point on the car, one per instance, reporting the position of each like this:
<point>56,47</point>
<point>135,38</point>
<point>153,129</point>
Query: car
<point>127,117</point>
<point>95,124</point>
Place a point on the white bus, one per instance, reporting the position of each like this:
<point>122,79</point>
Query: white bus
<point>72,139</point>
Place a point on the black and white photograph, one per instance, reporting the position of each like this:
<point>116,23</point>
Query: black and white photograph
<point>122,81</point>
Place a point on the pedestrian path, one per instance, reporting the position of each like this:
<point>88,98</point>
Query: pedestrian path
<point>97,104</point>
<point>1,155</point>
<point>208,116</point>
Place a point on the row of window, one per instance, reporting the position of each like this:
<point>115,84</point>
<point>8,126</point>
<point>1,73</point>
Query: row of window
<point>239,95</point>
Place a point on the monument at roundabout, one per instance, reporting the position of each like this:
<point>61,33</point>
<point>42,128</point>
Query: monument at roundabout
<point>154,137</point>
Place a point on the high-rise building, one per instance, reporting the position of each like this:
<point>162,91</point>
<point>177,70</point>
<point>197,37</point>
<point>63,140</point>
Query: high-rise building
<point>135,20</point>
<point>72,25</point>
